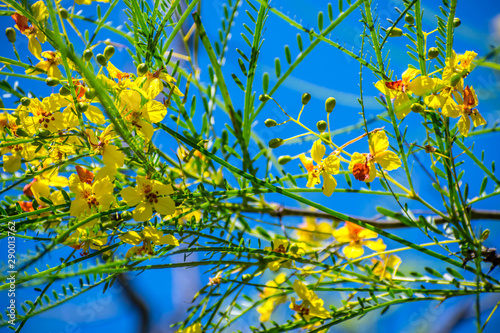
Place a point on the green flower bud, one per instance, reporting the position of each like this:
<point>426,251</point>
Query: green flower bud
<point>142,69</point>
<point>321,125</point>
<point>64,13</point>
<point>270,122</point>
<point>90,93</point>
<point>64,91</point>
<point>101,59</point>
<point>11,34</point>
<point>456,22</point>
<point>485,235</point>
<point>25,101</point>
<point>417,108</point>
<point>282,160</point>
<point>330,104</point>
<point>82,107</point>
<point>21,132</point>
<point>325,136</point>
<point>109,51</point>
<point>306,97</point>
<point>52,81</point>
<point>264,98</point>
<point>455,79</point>
<point>275,143</point>
<point>396,32</point>
<point>246,277</point>
<point>126,216</point>
<point>433,53</point>
<point>43,133</point>
<point>87,54</point>
<point>409,19</point>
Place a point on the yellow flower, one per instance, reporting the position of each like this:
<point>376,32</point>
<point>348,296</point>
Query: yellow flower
<point>282,246</point>
<point>35,36</point>
<point>152,83</point>
<point>356,237</point>
<point>123,79</point>
<point>270,293</point>
<point>91,195</point>
<point>312,232</point>
<point>325,167</point>
<point>186,218</point>
<point>150,237</point>
<point>465,109</point>
<point>7,121</point>
<point>49,65</point>
<point>111,156</point>
<point>363,165</point>
<point>195,328</point>
<point>391,261</point>
<point>12,163</point>
<point>45,115</point>
<point>408,84</point>
<point>147,195</point>
<point>139,113</point>
<point>85,237</point>
<point>311,306</point>
<point>461,64</point>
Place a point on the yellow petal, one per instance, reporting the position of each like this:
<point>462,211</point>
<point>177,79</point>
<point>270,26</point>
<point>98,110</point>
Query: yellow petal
<point>378,143</point>
<point>451,109</point>
<point>329,184</point>
<point>464,125</point>
<point>409,74</point>
<point>11,163</point>
<point>318,151</point>
<point>164,206</point>
<point>112,156</point>
<point>353,251</point>
<point>402,105</point>
<point>332,164</point>
<point>421,86</point>
<point>388,160</point>
<point>377,245</point>
<point>435,101</point>
<point>156,111</point>
<point>169,240</point>
<point>477,119</point>
<point>131,196</point>
<point>391,93</point>
<point>143,212</point>
<point>342,235</point>
<point>95,115</point>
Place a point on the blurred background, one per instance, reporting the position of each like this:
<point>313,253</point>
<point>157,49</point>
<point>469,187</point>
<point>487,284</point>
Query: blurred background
<point>157,299</point>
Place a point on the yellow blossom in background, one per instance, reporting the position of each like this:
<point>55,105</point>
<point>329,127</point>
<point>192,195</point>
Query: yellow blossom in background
<point>269,293</point>
<point>195,328</point>
<point>45,115</point>
<point>465,109</point>
<point>49,65</point>
<point>13,156</point>
<point>408,84</point>
<point>391,261</point>
<point>313,232</point>
<point>149,237</point>
<point>282,246</point>
<point>311,306</point>
<point>325,167</point>
<point>363,165</point>
<point>123,79</point>
<point>356,237</point>
<point>461,64</point>
<point>85,237</point>
<point>147,195</point>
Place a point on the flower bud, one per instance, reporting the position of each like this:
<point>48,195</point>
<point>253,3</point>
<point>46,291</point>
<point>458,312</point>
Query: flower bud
<point>433,53</point>
<point>101,59</point>
<point>306,97</point>
<point>455,79</point>
<point>409,19</point>
<point>64,91</point>
<point>417,108</point>
<point>264,98</point>
<point>321,125</point>
<point>396,32</point>
<point>90,93</point>
<point>456,22</point>
<point>82,107</point>
<point>142,69</point>
<point>246,277</point>
<point>25,101</point>
<point>275,143</point>
<point>109,51</point>
<point>11,35</point>
<point>485,235</point>
<point>282,160</point>
<point>87,54</point>
<point>64,13</point>
<point>325,136</point>
<point>430,149</point>
<point>270,122</point>
<point>52,81</point>
<point>330,104</point>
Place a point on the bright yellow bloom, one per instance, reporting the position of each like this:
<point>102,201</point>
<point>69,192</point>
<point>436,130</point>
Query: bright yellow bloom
<point>465,109</point>
<point>141,114</point>
<point>49,65</point>
<point>391,261</point>
<point>408,84</point>
<point>312,232</point>
<point>363,165</point>
<point>123,80</point>
<point>356,237</point>
<point>35,36</point>
<point>195,328</point>
<point>111,156</point>
<point>147,195</point>
<point>45,115</point>
<point>325,167</point>
<point>152,83</point>
<point>270,293</point>
<point>311,306</point>
<point>91,195</point>
<point>12,156</point>
<point>282,246</point>
<point>7,121</point>
<point>149,237</point>
<point>461,64</point>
